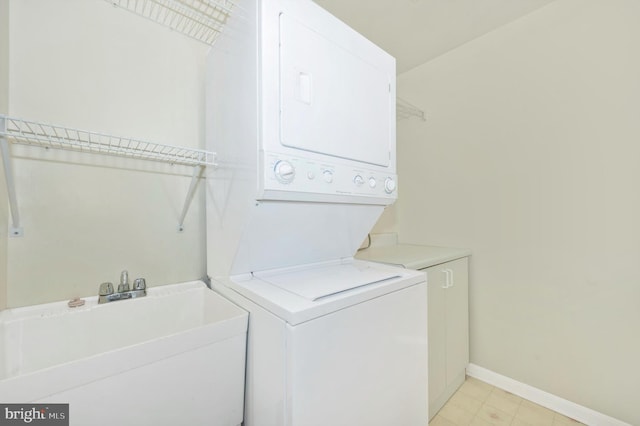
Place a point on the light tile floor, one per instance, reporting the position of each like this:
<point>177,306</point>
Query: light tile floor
<point>479,404</point>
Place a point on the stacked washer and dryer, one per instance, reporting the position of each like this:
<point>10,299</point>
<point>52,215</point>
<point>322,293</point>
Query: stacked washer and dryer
<point>301,113</point>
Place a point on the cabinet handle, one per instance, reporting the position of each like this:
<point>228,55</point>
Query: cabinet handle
<point>448,278</point>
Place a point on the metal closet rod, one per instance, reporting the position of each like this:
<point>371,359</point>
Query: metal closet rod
<point>404,109</point>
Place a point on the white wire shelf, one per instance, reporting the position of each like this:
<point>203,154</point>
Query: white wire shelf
<point>202,20</point>
<point>44,135</point>
<point>406,110</point>
<point>50,136</point>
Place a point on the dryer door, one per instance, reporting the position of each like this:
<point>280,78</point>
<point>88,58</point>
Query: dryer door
<point>332,101</point>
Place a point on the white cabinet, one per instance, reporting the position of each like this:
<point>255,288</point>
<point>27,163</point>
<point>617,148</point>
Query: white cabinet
<point>448,325</point>
<point>448,308</point>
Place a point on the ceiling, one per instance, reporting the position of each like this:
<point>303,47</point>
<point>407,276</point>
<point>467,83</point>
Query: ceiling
<point>416,31</point>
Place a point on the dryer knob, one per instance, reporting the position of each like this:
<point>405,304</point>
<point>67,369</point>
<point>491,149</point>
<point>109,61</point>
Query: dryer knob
<point>358,180</point>
<point>327,176</point>
<point>389,185</point>
<point>284,171</point>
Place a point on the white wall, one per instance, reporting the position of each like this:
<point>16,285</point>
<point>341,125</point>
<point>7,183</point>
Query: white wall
<point>4,105</point>
<point>88,65</point>
<point>530,157</point>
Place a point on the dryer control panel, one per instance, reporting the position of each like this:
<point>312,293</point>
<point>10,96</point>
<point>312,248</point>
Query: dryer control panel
<point>319,181</point>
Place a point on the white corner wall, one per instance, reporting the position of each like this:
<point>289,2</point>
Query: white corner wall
<point>89,65</point>
<point>530,157</point>
<point>4,105</point>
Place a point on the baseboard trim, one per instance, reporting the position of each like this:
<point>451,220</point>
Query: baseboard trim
<point>577,412</point>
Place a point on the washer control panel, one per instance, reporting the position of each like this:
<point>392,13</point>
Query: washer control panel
<point>300,175</point>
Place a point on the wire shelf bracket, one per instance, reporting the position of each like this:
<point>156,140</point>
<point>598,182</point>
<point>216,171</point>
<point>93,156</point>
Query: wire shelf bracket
<point>195,178</point>
<point>202,20</point>
<point>33,133</point>
<point>406,110</point>
<point>15,230</point>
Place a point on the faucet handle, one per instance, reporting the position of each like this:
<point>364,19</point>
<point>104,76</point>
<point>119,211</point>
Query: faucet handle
<point>105,289</point>
<point>139,284</point>
<point>124,282</point>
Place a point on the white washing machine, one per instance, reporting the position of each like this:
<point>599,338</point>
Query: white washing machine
<point>337,343</point>
<point>301,114</point>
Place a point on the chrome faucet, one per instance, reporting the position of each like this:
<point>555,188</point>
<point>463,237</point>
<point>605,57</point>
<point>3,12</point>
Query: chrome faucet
<point>106,293</point>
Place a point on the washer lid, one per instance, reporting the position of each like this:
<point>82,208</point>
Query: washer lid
<point>315,283</point>
<point>336,285</point>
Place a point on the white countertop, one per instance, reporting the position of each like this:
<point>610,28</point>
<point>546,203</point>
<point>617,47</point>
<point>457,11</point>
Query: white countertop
<point>411,256</point>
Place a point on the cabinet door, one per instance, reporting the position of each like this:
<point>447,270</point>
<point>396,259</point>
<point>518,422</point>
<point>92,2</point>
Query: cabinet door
<point>457,318</point>
<point>436,280</point>
<point>448,330</point>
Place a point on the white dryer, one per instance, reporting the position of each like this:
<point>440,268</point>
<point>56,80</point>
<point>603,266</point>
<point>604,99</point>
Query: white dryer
<point>339,343</point>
